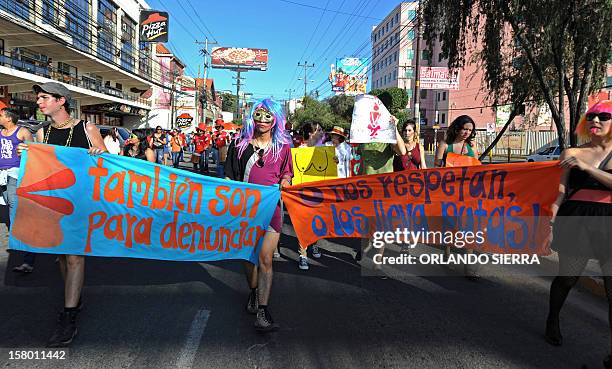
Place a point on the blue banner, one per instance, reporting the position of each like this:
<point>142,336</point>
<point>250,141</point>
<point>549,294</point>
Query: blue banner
<point>69,202</point>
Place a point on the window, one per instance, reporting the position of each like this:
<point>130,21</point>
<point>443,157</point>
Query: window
<point>411,34</point>
<point>411,15</point>
<point>396,37</point>
<point>77,25</point>
<point>438,96</point>
<point>107,25</point>
<point>385,80</point>
<point>423,94</point>
<point>425,55</point>
<point>410,54</point>
<point>67,70</point>
<point>128,37</point>
<point>50,12</point>
<point>394,75</point>
<point>19,8</point>
<point>397,18</point>
<point>444,96</point>
<point>609,81</point>
<point>443,120</point>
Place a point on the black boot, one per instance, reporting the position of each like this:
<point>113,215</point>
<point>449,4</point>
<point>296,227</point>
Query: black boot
<point>553,332</point>
<point>65,330</point>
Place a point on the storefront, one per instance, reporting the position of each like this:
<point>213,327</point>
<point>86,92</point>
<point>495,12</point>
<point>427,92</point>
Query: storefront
<point>25,105</point>
<point>112,114</point>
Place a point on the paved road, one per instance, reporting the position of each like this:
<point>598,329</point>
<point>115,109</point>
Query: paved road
<point>149,314</point>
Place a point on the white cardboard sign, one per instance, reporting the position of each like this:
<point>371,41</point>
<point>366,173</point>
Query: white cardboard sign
<point>371,121</point>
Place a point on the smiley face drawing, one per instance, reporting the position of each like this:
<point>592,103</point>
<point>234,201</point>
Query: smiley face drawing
<point>38,215</point>
<point>313,164</point>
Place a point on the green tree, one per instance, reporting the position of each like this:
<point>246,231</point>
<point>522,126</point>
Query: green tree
<point>228,102</point>
<point>543,51</point>
<point>342,106</point>
<point>396,100</point>
<point>397,96</point>
<point>319,112</point>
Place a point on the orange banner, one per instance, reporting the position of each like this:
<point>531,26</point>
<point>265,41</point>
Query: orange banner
<point>508,203</point>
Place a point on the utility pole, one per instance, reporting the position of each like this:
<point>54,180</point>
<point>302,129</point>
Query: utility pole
<point>305,66</point>
<point>288,102</point>
<point>238,84</point>
<point>205,56</point>
<point>417,71</point>
<point>175,75</point>
<point>290,91</point>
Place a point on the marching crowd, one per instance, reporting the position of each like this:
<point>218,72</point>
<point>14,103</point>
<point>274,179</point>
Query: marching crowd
<point>260,153</point>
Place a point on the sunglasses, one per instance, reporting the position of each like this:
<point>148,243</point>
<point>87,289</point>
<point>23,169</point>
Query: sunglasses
<point>260,161</point>
<point>602,116</point>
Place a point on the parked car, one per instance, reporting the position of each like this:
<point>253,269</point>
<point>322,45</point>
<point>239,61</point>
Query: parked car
<point>549,153</point>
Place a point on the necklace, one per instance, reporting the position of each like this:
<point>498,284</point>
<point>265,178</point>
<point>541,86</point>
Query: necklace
<point>258,145</point>
<point>65,124</point>
<point>68,141</point>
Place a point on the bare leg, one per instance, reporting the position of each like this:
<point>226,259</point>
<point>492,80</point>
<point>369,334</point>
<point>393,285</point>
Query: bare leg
<point>270,242</point>
<point>75,275</point>
<point>251,274</point>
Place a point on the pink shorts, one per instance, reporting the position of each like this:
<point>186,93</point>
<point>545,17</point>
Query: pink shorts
<point>276,224</point>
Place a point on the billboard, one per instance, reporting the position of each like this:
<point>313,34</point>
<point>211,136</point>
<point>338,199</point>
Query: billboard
<point>239,58</point>
<point>153,26</point>
<point>439,78</point>
<point>349,76</point>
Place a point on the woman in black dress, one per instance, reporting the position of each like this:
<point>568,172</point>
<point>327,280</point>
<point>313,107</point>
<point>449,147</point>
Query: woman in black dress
<point>582,213</point>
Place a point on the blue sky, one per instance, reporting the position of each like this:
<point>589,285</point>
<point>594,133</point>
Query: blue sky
<point>289,31</point>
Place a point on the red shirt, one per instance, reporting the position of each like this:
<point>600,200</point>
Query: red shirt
<point>221,139</point>
<point>201,142</point>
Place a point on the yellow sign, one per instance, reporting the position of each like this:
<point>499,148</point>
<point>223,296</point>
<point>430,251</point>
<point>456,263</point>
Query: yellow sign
<point>512,141</point>
<point>312,164</point>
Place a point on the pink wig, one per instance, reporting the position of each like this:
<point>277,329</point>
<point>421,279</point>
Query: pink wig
<point>582,129</point>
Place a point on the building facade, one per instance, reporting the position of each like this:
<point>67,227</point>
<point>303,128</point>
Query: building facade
<point>89,45</point>
<point>394,48</point>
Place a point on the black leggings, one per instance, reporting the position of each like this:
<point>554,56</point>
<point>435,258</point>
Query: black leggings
<point>570,269</point>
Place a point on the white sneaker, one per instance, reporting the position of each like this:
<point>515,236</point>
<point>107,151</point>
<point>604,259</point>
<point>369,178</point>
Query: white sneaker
<point>316,253</point>
<point>303,263</point>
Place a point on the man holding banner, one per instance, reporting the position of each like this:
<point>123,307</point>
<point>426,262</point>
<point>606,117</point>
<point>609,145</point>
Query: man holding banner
<point>54,99</point>
<point>262,155</point>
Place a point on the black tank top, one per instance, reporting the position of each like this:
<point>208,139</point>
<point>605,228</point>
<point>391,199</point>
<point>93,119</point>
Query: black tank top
<point>579,179</point>
<point>60,136</point>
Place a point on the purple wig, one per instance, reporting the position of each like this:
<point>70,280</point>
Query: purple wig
<point>280,136</point>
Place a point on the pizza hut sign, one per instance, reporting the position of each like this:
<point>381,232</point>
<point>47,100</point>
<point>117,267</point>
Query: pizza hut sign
<point>153,26</point>
<point>184,121</point>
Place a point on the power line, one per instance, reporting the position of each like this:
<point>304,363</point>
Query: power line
<point>201,21</point>
<point>346,23</point>
<point>338,38</point>
<point>334,11</point>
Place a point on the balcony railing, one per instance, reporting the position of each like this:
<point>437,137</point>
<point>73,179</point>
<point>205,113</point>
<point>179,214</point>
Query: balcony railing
<point>39,69</point>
